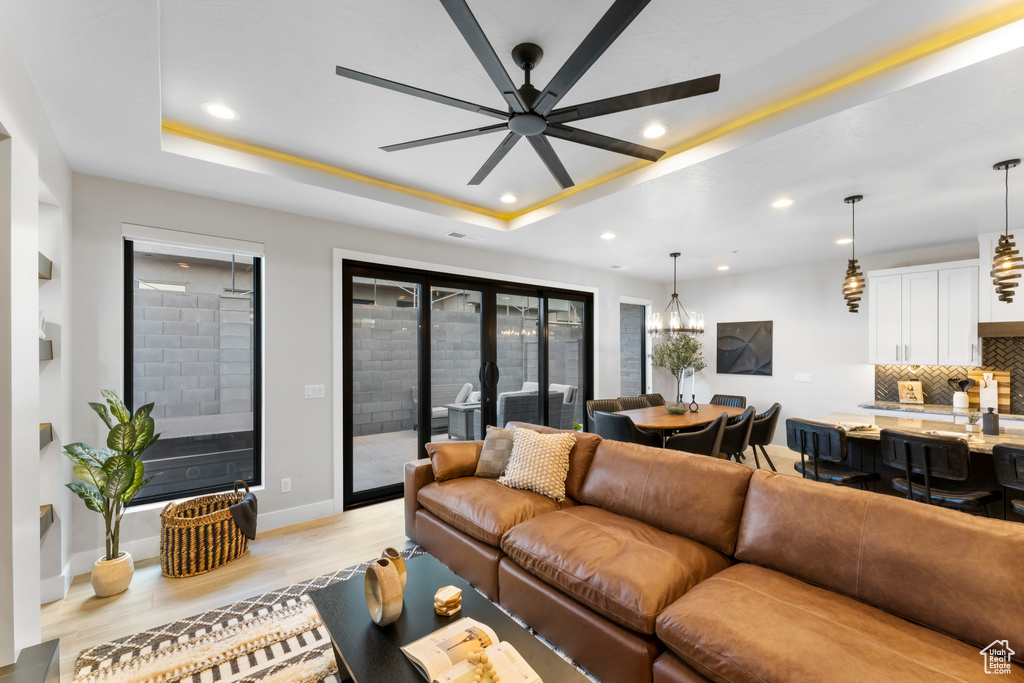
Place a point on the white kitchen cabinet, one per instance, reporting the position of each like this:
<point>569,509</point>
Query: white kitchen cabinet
<point>958,316</point>
<point>924,315</point>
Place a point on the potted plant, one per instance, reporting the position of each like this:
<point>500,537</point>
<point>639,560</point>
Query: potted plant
<point>972,421</point>
<point>110,478</point>
<point>681,355</point>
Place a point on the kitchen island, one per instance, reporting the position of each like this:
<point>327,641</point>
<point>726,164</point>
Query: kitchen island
<point>939,411</point>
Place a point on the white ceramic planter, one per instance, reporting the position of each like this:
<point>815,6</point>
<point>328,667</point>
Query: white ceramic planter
<point>961,399</point>
<point>110,577</point>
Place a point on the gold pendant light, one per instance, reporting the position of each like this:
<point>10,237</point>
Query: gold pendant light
<point>853,285</point>
<point>1007,264</point>
<point>675,319</point>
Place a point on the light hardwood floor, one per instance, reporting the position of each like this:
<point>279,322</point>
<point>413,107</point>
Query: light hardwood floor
<point>276,559</point>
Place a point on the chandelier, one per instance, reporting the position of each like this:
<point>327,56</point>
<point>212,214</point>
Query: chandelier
<point>675,318</point>
<point>1006,265</point>
<point>853,285</point>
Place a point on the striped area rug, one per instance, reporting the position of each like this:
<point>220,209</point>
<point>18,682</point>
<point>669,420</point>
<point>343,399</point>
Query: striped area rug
<point>276,637</point>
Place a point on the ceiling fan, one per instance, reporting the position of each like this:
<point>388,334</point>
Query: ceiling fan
<point>531,112</point>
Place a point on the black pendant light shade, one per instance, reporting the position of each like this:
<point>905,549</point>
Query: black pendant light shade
<point>1007,263</point>
<point>853,285</point>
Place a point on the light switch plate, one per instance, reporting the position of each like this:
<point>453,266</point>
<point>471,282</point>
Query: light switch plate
<point>314,391</point>
<point>803,377</point>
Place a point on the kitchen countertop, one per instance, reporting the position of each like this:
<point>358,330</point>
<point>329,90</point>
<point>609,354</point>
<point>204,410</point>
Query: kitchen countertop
<point>928,408</point>
<point>911,424</point>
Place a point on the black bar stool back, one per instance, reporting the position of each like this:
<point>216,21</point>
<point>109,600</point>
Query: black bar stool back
<point>1010,471</point>
<point>825,445</point>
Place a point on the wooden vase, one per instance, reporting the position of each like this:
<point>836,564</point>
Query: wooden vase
<point>399,562</point>
<point>383,590</point>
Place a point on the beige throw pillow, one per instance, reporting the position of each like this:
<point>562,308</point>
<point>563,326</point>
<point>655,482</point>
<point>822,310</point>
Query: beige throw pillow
<point>539,462</point>
<point>495,452</point>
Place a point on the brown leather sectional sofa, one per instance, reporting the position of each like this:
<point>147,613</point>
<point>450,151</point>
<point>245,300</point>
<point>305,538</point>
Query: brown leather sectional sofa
<point>664,566</point>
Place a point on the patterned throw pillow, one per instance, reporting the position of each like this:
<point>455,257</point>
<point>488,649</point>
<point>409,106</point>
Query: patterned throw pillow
<point>495,452</point>
<point>539,462</point>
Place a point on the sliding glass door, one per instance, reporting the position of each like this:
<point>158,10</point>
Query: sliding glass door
<point>435,357</point>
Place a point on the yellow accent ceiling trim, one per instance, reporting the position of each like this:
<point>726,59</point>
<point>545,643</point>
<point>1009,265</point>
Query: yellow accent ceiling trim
<point>961,33</point>
<point>183,130</point>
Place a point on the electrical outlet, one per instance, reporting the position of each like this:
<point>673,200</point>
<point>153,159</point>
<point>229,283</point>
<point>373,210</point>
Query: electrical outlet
<point>286,485</point>
<point>803,377</point>
<point>314,391</point>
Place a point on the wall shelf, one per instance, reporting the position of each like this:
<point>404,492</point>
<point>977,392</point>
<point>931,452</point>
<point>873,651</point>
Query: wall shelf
<point>45,434</point>
<point>45,518</point>
<point>45,349</point>
<point>45,267</point>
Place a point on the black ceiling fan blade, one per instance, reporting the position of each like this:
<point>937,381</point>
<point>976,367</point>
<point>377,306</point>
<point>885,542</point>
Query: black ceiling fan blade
<point>635,100</point>
<point>585,137</point>
<point>620,15</point>
<point>497,155</point>
<point>467,24</point>
<point>445,138</point>
<point>547,154</point>
<point>418,92</point>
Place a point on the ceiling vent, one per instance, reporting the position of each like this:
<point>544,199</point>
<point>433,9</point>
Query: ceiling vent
<point>463,236</point>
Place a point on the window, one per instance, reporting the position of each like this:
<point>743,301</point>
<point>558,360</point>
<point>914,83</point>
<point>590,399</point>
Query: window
<point>194,352</point>
<point>632,350</point>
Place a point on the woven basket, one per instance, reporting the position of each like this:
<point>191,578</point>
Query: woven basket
<point>200,535</point>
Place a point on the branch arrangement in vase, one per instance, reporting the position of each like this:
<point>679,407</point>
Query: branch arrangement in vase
<point>680,354</point>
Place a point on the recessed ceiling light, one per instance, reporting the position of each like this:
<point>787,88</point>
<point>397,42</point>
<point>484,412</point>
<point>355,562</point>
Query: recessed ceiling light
<point>183,265</point>
<point>845,240</point>
<point>616,267</point>
<point>783,203</point>
<point>509,198</point>
<point>655,130</point>
<point>220,111</point>
<point>723,267</point>
<point>608,236</point>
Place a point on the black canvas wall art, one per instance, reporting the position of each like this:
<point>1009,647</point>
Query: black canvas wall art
<point>745,348</point>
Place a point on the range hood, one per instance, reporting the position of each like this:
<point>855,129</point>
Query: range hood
<point>1008,329</point>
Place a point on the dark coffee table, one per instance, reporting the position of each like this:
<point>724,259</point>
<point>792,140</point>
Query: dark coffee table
<point>372,653</point>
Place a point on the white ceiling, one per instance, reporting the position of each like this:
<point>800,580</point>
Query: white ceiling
<point>918,142</point>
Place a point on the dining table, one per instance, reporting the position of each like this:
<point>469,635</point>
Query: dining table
<point>658,419</point>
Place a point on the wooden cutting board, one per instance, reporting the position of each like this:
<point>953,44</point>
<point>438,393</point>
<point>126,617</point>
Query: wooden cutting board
<point>1004,388</point>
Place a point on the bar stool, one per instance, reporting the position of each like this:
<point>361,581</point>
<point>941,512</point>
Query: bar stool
<point>763,431</point>
<point>946,458</point>
<point>707,441</point>
<point>737,435</point>
<point>826,447</point>
<point>632,402</point>
<point>1010,471</point>
<point>621,428</point>
<point>727,400</point>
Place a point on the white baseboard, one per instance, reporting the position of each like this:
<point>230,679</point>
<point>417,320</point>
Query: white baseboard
<point>143,548</point>
<point>55,587</point>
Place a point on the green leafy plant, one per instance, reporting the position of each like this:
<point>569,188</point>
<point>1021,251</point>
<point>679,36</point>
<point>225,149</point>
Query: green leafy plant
<point>681,355</point>
<point>577,426</point>
<point>973,417</point>
<point>111,476</point>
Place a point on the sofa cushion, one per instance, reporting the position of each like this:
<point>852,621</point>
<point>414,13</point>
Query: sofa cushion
<point>749,623</point>
<point>693,495</point>
<point>494,453</point>
<point>951,571</point>
<point>619,567</point>
<point>483,508</point>
<point>451,459</point>
<point>539,462</point>
<point>580,456</point>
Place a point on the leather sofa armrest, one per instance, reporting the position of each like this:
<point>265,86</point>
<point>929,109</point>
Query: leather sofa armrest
<point>418,473</point>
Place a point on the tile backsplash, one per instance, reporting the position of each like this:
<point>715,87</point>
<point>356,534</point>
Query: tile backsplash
<point>999,353</point>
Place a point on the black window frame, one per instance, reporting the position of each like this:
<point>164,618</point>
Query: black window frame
<point>128,375</point>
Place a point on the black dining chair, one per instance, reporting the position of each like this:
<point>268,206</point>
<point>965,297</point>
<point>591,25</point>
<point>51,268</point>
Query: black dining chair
<point>737,435</point>
<point>825,446</point>
<point>727,400</point>
<point>621,428</point>
<point>608,405</point>
<point>707,441</point>
<point>923,458</point>
<point>762,433</point>
<point>632,402</point>
<point>1010,471</point>
<point>654,400</point>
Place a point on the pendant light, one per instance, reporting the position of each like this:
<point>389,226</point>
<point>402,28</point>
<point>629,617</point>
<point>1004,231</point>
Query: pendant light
<point>1007,264</point>
<point>675,318</point>
<point>853,285</point>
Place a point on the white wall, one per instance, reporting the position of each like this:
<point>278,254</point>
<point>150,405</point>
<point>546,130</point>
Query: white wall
<point>29,157</point>
<point>298,350</point>
<point>813,332</point>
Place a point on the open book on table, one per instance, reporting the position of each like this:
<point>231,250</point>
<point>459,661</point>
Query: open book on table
<point>443,655</point>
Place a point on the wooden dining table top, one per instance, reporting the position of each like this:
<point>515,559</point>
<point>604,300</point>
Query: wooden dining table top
<point>658,417</point>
